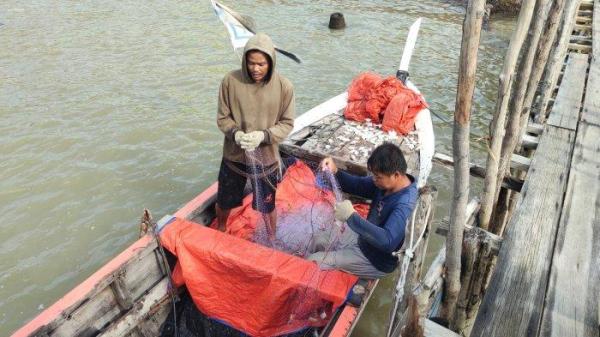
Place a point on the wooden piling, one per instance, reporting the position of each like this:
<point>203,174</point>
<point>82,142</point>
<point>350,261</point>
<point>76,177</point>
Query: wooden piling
<point>424,213</point>
<point>543,52</point>
<point>556,59</point>
<point>466,85</point>
<point>513,126</point>
<point>499,118</point>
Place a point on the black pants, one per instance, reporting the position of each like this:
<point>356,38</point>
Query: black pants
<point>232,183</point>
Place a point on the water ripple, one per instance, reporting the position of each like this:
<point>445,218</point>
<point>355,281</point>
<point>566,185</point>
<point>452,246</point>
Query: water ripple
<point>107,108</point>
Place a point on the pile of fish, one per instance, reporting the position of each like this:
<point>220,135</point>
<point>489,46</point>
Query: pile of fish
<point>355,141</point>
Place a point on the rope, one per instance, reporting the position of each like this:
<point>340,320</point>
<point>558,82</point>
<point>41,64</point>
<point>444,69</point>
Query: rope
<point>170,288</point>
<point>408,256</point>
<point>243,173</point>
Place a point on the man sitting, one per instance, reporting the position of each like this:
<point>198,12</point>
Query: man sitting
<point>366,248</point>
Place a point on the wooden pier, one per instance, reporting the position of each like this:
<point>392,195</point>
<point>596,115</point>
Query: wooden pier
<point>529,252</point>
<point>547,277</point>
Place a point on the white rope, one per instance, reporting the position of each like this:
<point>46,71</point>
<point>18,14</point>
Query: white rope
<point>408,256</point>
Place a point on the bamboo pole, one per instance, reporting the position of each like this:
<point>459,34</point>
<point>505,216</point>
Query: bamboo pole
<point>557,59</point>
<point>498,121</point>
<point>460,139</point>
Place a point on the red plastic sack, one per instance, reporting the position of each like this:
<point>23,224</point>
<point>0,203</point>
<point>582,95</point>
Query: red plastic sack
<point>401,112</point>
<point>361,86</point>
<point>370,96</point>
<point>358,93</point>
<point>381,95</point>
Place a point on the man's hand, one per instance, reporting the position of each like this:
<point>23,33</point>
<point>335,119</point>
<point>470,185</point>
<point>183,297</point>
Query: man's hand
<point>343,210</point>
<point>328,164</point>
<point>252,140</point>
<point>238,136</point>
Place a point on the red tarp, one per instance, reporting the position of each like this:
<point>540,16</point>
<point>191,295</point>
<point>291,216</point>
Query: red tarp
<point>255,289</point>
<point>387,101</point>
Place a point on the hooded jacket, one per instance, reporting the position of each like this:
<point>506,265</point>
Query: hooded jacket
<point>248,106</point>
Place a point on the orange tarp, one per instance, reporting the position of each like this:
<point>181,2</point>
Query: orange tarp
<point>255,289</point>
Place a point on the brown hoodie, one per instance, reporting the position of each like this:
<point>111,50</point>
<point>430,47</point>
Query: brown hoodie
<point>248,106</point>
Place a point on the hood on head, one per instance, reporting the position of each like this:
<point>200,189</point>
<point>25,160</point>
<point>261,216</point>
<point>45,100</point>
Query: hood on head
<point>261,42</point>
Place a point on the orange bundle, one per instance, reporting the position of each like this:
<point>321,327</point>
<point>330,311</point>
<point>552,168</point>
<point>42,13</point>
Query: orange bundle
<point>358,93</point>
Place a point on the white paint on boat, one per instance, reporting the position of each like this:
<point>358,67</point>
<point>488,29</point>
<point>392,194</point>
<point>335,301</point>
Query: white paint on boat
<point>330,106</point>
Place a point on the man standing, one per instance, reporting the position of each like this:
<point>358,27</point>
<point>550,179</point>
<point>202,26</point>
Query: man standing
<point>366,247</point>
<point>255,112</point>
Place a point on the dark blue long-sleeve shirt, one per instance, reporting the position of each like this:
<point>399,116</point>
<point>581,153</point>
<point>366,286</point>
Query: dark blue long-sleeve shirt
<point>382,232</point>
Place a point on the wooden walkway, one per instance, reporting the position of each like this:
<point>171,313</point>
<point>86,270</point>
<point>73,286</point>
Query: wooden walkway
<point>547,279</point>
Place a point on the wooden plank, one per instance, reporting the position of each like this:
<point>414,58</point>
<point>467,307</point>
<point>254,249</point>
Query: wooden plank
<point>67,307</point>
<point>156,296</point>
<point>565,111</point>
<point>579,27</point>
<point>128,283</point>
<point>530,142</point>
<point>142,274</point>
<point>582,48</point>
<point>591,108</point>
<point>91,317</point>
<point>519,162</point>
<point>477,171</point>
<point>596,31</point>
<point>433,329</point>
<point>583,19</point>
<point>574,291</point>
<point>494,240</point>
<point>581,39</point>
<point>535,128</point>
<point>513,303</point>
<point>156,320</point>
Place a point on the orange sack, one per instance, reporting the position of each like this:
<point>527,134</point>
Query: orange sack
<point>401,112</point>
<point>358,92</point>
<point>370,96</point>
<point>381,95</point>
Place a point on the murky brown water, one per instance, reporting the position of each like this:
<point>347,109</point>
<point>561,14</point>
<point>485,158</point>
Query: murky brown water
<point>107,107</point>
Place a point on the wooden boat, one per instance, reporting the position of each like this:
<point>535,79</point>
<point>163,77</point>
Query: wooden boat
<point>129,295</point>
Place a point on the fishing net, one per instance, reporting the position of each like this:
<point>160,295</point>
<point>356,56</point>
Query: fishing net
<point>248,281</point>
<point>187,321</point>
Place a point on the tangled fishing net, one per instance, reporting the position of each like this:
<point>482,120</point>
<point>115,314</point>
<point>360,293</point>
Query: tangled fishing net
<point>247,283</point>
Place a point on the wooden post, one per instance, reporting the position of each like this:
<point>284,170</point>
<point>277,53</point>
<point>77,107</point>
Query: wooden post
<point>460,140</point>
<point>541,57</point>
<point>425,222</point>
<point>424,213</point>
<point>556,60</point>
<point>513,127</point>
<point>498,121</point>
<point>479,257</point>
<point>541,61</point>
